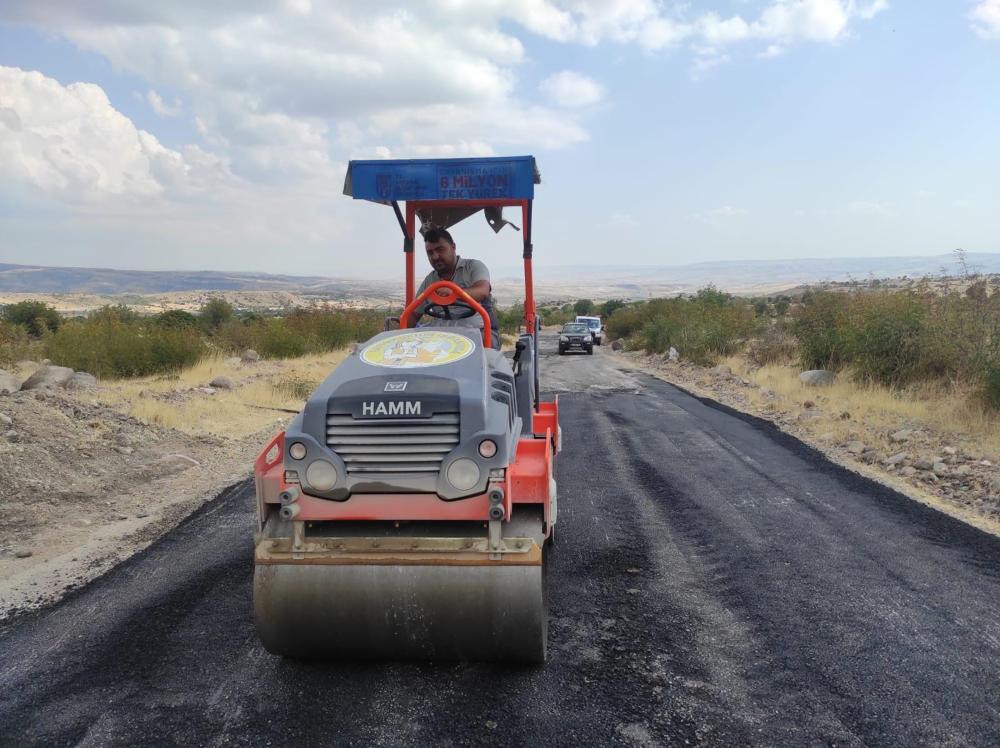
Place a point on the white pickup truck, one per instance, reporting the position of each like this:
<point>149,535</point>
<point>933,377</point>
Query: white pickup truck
<point>596,328</point>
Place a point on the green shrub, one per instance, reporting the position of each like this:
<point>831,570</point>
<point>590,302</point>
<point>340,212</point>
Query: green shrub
<point>626,322</point>
<point>820,326</point>
<point>584,307</point>
<point>298,333</point>
<point>885,340</point>
<point>609,307</point>
<point>701,328</point>
<point>36,317</point>
<point>109,348</point>
<point>177,319</point>
<point>114,313</point>
<point>216,312</point>
<point>16,345</point>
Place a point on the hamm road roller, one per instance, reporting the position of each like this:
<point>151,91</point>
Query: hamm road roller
<point>406,511</point>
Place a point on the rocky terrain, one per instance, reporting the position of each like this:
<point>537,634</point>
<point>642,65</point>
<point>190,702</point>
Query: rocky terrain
<point>84,482</point>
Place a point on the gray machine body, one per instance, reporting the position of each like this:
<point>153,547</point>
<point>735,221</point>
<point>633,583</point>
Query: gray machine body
<point>390,429</point>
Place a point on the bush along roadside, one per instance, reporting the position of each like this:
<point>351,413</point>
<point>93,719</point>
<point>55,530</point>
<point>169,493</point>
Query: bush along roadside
<point>114,342</point>
<point>928,334</point>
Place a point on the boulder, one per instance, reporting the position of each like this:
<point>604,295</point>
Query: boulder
<point>222,383</point>
<point>9,384</point>
<point>6,420</point>
<point>940,469</point>
<point>896,459</point>
<point>923,464</point>
<point>722,370</point>
<point>81,380</point>
<point>673,355</point>
<point>856,447</point>
<point>250,356</point>
<point>903,435</point>
<point>909,471</point>
<point>817,378</point>
<point>48,377</point>
<point>618,345</point>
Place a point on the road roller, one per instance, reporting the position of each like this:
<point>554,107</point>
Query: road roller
<point>407,510</point>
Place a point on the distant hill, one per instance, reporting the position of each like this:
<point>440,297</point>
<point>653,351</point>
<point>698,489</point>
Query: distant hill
<point>104,281</point>
<point>552,282</point>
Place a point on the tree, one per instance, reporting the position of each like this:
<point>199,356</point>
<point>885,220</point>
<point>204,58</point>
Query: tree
<point>215,312</point>
<point>610,306</point>
<point>114,313</point>
<point>176,319</point>
<point>36,316</point>
<point>583,306</point>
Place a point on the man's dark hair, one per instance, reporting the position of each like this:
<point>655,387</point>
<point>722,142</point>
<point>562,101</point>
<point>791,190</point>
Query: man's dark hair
<point>436,235</point>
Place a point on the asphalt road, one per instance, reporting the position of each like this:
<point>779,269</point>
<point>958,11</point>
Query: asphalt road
<point>714,582</point>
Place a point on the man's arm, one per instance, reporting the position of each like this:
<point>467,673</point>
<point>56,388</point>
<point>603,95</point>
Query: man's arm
<point>480,276</point>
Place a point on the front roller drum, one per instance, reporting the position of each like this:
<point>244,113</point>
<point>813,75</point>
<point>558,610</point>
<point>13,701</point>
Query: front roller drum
<point>486,612</point>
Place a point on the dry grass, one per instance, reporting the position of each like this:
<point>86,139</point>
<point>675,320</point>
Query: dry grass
<point>875,411</point>
<point>247,409</point>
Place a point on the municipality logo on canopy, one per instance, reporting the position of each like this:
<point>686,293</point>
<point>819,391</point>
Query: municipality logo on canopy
<point>418,348</point>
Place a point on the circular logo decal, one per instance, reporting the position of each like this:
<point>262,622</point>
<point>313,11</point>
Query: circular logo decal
<point>417,348</point>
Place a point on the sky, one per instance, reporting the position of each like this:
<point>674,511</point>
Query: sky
<point>215,136</point>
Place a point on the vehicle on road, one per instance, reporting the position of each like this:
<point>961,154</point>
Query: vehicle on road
<point>405,512</point>
<point>576,336</point>
<point>594,325</point>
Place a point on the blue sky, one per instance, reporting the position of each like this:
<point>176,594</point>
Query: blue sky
<point>215,137</point>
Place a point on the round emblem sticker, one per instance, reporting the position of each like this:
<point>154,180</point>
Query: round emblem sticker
<point>417,348</point>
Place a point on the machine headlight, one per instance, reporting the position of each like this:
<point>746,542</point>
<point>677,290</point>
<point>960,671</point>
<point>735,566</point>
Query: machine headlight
<point>463,473</point>
<point>564,338</point>
<point>297,450</point>
<point>488,448</point>
<point>321,475</point>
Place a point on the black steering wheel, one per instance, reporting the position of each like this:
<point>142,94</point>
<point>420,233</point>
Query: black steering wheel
<point>455,310</point>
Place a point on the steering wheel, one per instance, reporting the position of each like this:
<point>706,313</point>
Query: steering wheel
<point>443,294</point>
<point>454,310</point>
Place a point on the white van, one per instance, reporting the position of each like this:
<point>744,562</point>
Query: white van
<point>596,328</point>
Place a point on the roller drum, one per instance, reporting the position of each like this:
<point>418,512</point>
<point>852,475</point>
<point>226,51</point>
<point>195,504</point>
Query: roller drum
<point>355,611</point>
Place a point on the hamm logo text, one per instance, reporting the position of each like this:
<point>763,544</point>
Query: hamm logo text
<point>391,408</point>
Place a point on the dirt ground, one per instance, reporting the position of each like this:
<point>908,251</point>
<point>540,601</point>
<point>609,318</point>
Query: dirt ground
<point>949,462</point>
<point>89,477</point>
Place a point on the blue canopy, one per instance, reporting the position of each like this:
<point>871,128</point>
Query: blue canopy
<point>383,181</point>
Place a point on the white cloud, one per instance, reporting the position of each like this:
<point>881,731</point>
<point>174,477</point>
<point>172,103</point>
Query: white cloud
<point>728,211</point>
<point>986,19</point>
<point>622,220</point>
<point>70,141</point>
<point>570,89</point>
<point>772,51</point>
<point>869,208</point>
<point>723,213</point>
<point>160,106</point>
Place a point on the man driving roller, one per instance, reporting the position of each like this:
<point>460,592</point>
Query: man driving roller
<point>470,275</point>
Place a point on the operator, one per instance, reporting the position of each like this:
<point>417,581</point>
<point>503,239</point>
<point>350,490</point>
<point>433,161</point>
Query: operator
<point>470,275</point>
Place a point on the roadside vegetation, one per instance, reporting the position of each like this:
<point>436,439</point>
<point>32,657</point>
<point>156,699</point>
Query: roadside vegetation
<point>512,318</point>
<point>115,342</point>
<point>931,336</point>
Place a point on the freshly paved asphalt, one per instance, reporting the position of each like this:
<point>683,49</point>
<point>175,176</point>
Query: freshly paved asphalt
<point>714,582</point>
